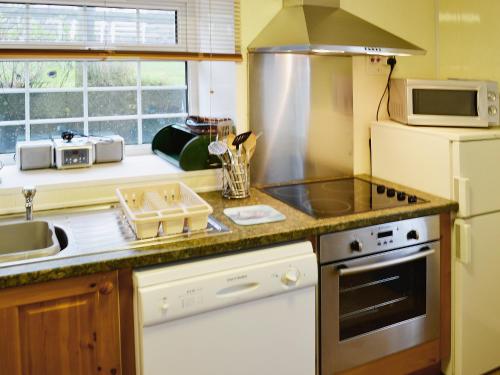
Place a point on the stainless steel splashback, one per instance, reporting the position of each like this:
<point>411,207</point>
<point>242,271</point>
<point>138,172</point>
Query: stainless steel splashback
<point>302,104</point>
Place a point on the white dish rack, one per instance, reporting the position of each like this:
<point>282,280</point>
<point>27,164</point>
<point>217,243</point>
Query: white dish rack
<point>163,209</point>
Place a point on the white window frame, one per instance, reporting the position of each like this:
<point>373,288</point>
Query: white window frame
<point>138,149</point>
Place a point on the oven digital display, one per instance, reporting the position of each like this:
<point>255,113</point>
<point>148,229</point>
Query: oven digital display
<point>384,234</point>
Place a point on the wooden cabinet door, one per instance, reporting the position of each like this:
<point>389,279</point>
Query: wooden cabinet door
<point>68,326</point>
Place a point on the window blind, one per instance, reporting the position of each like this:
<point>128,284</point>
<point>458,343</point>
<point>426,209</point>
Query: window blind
<point>98,28</point>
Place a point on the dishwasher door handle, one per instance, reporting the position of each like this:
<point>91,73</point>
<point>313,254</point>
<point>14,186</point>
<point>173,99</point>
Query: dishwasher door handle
<point>237,290</point>
<point>344,270</point>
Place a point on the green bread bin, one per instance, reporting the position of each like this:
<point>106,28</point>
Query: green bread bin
<point>185,149</point>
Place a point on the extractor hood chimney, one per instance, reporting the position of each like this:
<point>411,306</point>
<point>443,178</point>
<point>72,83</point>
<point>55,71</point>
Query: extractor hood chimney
<point>322,27</point>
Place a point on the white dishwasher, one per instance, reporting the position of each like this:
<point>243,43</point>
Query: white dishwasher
<point>244,314</point>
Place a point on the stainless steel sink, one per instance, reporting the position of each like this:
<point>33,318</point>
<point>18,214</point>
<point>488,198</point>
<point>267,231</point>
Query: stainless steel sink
<point>80,231</point>
<point>30,239</point>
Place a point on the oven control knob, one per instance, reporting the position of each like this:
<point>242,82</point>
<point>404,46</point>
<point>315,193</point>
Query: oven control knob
<point>291,277</point>
<point>401,195</point>
<point>356,245</point>
<point>412,235</point>
<point>492,96</point>
<point>391,192</point>
<point>380,189</point>
<point>412,199</point>
<point>492,110</point>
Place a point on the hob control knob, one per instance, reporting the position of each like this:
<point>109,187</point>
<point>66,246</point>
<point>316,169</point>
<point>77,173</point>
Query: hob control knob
<point>380,189</point>
<point>412,199</point>
<point>412,235</point>
<point>401,195</point>
<point>291,276</point>
<point>356,246</point>
<point>391,192</point>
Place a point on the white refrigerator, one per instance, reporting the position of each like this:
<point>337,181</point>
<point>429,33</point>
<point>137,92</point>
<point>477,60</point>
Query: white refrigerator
<point>462,165</point>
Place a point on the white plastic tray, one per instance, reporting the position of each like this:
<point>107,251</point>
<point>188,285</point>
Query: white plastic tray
<point>252,215</point>
<point>164,208</point>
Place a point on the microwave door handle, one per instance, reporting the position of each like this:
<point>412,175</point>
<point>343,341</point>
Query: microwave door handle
<point>344,270</point>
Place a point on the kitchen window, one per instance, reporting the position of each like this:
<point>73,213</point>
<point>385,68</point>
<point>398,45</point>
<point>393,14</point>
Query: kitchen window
<point>111,27</point>
<point>135,99</point>
<point>87,25</point>
<point>108,66</point>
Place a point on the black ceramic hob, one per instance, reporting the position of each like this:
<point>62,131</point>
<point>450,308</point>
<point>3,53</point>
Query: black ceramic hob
<point>323,199</point>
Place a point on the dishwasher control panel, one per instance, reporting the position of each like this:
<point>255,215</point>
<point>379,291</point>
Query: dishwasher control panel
<point>189,296</point>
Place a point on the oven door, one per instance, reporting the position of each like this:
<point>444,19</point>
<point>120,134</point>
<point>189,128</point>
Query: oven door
<point>377,305</point>
<point>448,103</point>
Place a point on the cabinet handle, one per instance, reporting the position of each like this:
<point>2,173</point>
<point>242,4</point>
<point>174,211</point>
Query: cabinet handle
<point>464,248</point>
<point>106,288</point>
<point>462,195</point>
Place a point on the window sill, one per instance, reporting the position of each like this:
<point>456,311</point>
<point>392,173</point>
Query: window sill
<point>95,185</point>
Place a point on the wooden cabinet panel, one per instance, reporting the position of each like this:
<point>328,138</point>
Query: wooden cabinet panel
<point>445,334</point>
<point>9,343</point>
<point>68,326</point>
<point>423,358</point>
<point>63,328</point>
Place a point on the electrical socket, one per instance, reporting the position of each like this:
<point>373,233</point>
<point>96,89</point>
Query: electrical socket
<point>377,65</point>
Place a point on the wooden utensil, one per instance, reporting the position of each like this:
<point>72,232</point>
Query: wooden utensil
<point>249,146</point>
<point>240,138</point>
<point>229,140</point>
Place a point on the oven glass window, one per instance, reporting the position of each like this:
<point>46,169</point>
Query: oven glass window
<point>445,102</point>
<point>375,299</point>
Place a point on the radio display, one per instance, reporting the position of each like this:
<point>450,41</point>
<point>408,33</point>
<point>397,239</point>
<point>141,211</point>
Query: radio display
<point>384,234</point>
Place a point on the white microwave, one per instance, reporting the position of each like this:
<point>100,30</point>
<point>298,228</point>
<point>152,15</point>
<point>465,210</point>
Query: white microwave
<point>458,103</point>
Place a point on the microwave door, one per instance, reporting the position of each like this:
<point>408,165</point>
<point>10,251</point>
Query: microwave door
<point>448,106</point>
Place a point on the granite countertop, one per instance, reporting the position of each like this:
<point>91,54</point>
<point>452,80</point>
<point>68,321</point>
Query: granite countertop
<point>296,226</point>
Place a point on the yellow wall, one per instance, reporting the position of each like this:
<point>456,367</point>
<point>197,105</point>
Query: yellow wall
<point>469,39</point>
<point>255,14</point>
<point>412,20</point>
<point>409,19</point>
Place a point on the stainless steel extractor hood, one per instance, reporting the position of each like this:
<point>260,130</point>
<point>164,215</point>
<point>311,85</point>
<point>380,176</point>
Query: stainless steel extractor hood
<point>322,27</point>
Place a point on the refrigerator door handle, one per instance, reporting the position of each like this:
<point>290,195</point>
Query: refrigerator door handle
<point>464,248</point>
<point>461,187</point>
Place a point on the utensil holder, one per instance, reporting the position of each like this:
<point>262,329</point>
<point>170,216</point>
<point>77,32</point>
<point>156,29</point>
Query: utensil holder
<point>236,179</point>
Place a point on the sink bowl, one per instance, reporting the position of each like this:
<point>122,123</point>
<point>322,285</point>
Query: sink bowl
<point>30,239</point>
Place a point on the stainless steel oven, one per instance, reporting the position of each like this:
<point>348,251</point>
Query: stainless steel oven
<point>379,291</point>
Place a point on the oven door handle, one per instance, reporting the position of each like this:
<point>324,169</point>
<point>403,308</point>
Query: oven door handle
<point>344,270</point>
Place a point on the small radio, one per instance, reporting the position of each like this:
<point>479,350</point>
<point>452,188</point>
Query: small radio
<point>76,153</point>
